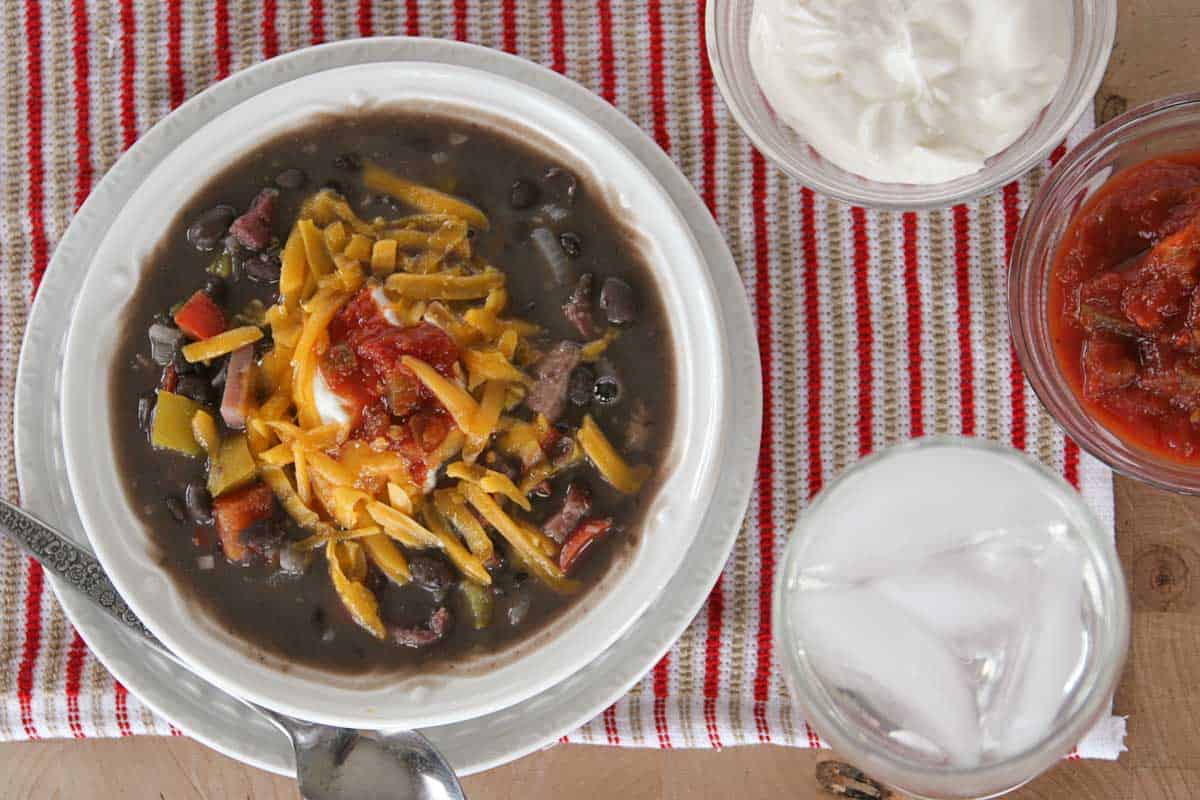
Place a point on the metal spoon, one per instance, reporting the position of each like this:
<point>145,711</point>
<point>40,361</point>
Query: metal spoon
<point>331,763</point>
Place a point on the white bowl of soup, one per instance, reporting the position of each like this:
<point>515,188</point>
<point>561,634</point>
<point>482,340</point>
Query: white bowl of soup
<point>348,426</point>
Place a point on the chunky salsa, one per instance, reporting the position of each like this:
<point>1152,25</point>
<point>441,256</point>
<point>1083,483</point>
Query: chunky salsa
<point>395,388</point>
<point>1125,306</point>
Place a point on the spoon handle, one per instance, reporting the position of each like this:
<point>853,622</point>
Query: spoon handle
<point>73,564</point>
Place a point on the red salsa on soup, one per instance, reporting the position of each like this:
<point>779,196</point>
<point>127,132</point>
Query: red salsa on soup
<point>1125,306</point>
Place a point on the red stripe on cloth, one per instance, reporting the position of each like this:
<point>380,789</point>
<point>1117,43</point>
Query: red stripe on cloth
<point>128,74</point>
<point>966,358</point>
<point>662,686</point>
<point>866,333</point>
<point>412,13</point>
<point>173,730</point>
<point>33,643</point>
<point>74,670</point>
<point>460,20</point>
<point>912,296</point>
<point>658,102</point>
<point>712,660</point>
<point>33,151</point>
<point>814,741</point>
<point>1012,218</point>
<point>174,58</point>
<point>121,708</point>
<point>365,24</point>
<point>1071,461</point>
<point>221,28</point>
<point>558,36</point>
<point>710,723</point>
<point>83,105</point>
<point>270,36</point>
<point>610,725</point>
<point>508,19</point>
<point>37,230</point>
<point>812,332</point>
<point>766,477</point>
<point>608,71</point>
<point>316,21</point>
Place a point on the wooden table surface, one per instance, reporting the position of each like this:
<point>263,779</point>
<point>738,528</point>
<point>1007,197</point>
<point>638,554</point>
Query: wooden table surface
<point>1157,53</point>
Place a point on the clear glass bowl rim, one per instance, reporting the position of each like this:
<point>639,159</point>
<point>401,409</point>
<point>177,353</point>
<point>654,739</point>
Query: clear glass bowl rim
<point>1007,774</point>
<point>1027,269</point>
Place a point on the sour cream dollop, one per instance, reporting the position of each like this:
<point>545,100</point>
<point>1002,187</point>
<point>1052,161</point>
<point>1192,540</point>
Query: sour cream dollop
<point>910,91</point>
<point>331,406</point>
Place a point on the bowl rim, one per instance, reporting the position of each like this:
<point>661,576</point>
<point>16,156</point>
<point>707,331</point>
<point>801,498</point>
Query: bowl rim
<point>898,199</point>
<point>1046,378</point>
<point>706,468</point>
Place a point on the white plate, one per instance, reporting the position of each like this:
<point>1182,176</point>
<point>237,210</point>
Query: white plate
<point>202,710</point>
<point>673,516</point>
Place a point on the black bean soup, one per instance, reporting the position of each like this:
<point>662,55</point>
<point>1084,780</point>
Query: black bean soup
<point>571,268</point>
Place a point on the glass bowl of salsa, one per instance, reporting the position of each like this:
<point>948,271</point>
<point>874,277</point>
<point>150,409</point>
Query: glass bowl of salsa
<point>1104,293</point>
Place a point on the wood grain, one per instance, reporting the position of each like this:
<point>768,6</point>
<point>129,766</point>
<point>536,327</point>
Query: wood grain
<point>1157,53</point>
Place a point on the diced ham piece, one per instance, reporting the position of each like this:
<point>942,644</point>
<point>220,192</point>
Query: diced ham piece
<point>417,637</point>
<point>577,502</point>
<point>238,399</point>
<point>578,308</point>
<point>548,395</point>
<point>253,229</point>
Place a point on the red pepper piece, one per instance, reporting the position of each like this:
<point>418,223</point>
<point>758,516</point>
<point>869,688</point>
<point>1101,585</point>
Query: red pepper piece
<point>239,510</point>
<point>200,317</point>
<point>581,539</point>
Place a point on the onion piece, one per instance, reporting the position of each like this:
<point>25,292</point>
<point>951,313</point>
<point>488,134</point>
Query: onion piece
<point>239,387</point>
<point>164,343</point>
<point>205,562</point>
<point>547,245</point>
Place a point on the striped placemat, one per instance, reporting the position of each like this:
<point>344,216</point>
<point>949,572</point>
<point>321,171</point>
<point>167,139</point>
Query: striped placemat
<point>873,327</point>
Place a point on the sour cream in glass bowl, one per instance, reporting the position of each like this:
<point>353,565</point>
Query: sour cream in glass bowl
<point>873,105</point>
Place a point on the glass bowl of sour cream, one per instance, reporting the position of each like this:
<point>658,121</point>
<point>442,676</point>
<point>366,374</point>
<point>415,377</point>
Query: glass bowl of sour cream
<point>920,104</point>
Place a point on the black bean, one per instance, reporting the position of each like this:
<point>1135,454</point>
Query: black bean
<point>334,186</point>
<point>565,183</point>
<point>571,244</point>
<point>215,288</point>
<point>175,508</point>
<point>182,365</point>
<point>144,410</point>
<point>431,573</point>
<point>607,390</point>
<point>197,387</point>
<point>291,179</point>
<point>198,502</point>
<point>350,161</point>
<point>579,388</point>
<point>263,268</point>
<point>523,194</point>
<point>206,230</point>
<point>617,302</point>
